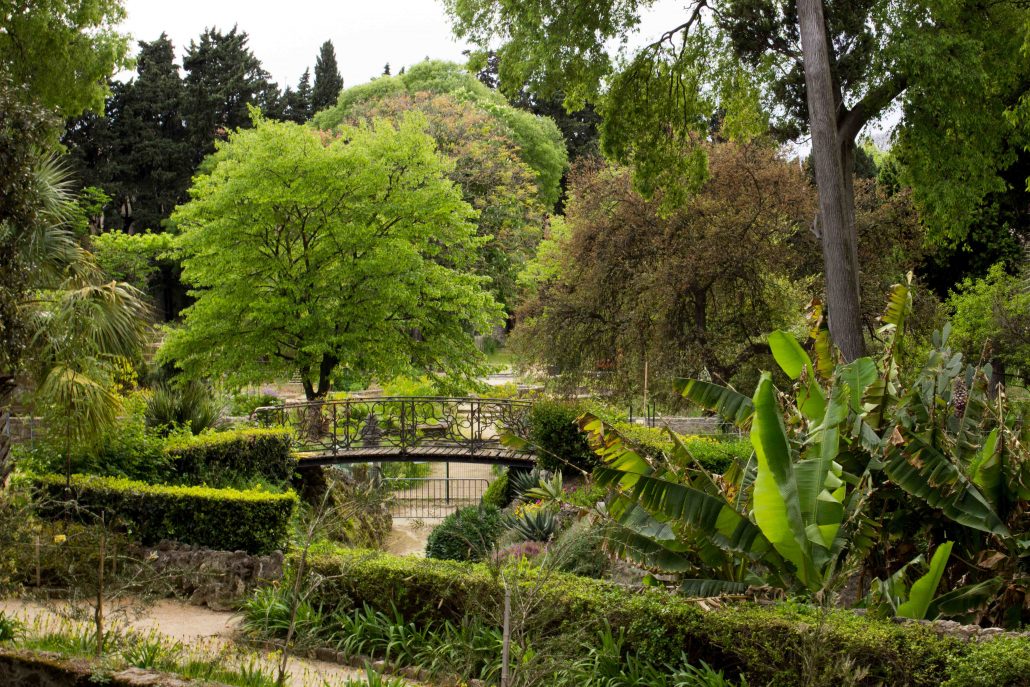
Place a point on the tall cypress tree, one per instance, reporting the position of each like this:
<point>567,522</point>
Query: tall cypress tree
<point>138,152</point>
<point>328,82</point>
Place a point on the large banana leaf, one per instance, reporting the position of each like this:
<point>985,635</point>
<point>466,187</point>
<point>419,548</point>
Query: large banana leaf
<point>822,344</point>
<point>793,360</point>
<point>647,552</point>
<point>964,603</point>
<point>987,470</point>
<point>924,589</point>
<point>789,354</point>
<point>858,375</point>
<point>728,404</point>
<point>923,471</point>
<point>777,506</point>
<point>710,515</point>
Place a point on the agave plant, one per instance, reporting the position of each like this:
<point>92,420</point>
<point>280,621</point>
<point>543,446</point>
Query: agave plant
<point>538,524</point>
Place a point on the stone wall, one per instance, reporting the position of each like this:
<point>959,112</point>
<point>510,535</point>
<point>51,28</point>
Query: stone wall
<point>43,669</point>
<point>216,579</point>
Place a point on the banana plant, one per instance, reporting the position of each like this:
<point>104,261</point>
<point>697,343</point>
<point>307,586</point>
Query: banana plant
<point>789,519</point>
<point>895,595</point>
<point>937,437</point>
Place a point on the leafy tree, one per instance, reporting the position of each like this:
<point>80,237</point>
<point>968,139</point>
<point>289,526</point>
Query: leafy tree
<point>828,68</point>
<point>991,320</point>
<point>689,291</point>
<point>321,255</point>
<point>578,128</point>
<point>61,53</point>
<point>487,169</point>
<point>328,82</point>
<point>223,79</point>
<point>537,140</point>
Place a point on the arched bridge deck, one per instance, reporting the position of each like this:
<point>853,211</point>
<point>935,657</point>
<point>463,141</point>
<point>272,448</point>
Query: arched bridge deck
<point>405,429</point>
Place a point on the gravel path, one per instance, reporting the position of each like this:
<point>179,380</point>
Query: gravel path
<point>201,628</point>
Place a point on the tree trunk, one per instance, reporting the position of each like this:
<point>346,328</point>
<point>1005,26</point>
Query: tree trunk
<point>836,212</point>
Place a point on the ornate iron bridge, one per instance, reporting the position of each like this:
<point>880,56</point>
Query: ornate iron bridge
<point>404,429</point>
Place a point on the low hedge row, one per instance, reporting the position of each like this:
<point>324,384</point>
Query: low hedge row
<point>225,519</point>
<point>224,458</point>
<point>715,454</point>
<point>771,645</point>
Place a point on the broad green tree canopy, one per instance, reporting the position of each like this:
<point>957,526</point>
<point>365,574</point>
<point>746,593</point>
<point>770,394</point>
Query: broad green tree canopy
<point>538,140</point>
<point>331,257</point>
<point>61,53</point>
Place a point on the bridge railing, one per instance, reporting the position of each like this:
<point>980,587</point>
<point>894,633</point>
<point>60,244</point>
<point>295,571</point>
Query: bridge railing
<point>399,424</point>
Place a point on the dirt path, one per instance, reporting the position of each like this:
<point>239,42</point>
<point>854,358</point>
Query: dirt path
<point>201,629</point>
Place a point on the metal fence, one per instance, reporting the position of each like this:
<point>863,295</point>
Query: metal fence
<point>433,497</point>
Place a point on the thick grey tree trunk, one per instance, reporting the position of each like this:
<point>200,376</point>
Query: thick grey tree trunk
<point>836,206</point>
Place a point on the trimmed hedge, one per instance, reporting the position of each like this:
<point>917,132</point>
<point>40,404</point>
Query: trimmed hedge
<point>225,519</point>
<point>223,458</point>
<point>769,644</point>
<point>715,454</point>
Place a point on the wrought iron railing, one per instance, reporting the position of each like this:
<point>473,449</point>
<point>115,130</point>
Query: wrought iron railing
<point>433,497</point>
<point>402,425</point>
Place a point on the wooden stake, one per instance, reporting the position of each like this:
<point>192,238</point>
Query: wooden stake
<point>505,647</point>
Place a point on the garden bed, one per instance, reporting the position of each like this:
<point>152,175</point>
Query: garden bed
<point>770,644</point>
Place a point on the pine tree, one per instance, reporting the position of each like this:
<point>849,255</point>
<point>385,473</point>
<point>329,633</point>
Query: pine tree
<point>223,77</point>
<point>298,102</point>
<point>386,69</point>
<point>328,82</point>
<point>138,153</point>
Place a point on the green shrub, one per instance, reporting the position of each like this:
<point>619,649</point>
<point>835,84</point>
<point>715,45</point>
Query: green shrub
<point>231,458</point>
<point>128,449</point>
<point>556,438</point>
<point>580,550</point>
<point>467,534</point>
<point>654,441</point>
<point>772,645</point>
<point>243,404</point>
<point>717,455</point>
<point>257,522</point>
<point>497,493</point>
<point>1000,662</point>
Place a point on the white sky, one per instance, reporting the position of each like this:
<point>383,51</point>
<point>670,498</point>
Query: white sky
<point>286,36</point>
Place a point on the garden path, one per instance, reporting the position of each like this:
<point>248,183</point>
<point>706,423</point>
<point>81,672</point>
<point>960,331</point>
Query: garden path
<point>205,631</point>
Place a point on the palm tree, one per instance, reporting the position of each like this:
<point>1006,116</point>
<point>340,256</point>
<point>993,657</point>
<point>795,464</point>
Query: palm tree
<point>80,323</point>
